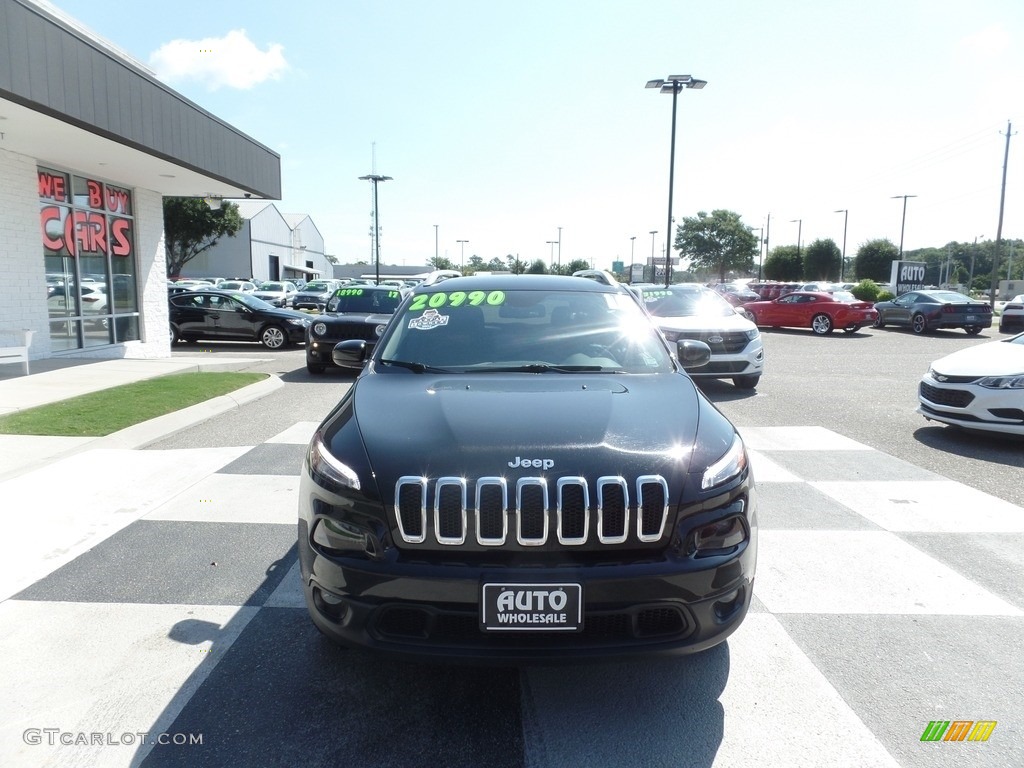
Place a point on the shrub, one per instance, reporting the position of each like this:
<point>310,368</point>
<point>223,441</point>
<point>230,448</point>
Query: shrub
<point>866,290</point>
<point>885,296</point>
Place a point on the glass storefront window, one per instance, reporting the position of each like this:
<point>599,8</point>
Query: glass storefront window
<point>89,253</point>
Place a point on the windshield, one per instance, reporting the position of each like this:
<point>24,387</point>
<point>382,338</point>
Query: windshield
<point>272,287</point>
<point>368,300</point>
<point>537,331</point>
<point>317,285</point>
<point>685,301</point>
<point>844,296</point>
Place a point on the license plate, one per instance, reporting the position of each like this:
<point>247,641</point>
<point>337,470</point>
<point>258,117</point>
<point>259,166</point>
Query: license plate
<point>970,317</point>
<point>531,607</point>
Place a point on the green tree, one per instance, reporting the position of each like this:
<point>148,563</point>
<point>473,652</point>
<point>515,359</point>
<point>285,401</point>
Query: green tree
<point>538,267</point>
<point>440,262</point>
<point>785,263</point>
<point>821,260</point>
<point>874,260</point>
<point>515,265</point>
<point>574,266</point>
<point>192,227</point>
<point>718,243</point>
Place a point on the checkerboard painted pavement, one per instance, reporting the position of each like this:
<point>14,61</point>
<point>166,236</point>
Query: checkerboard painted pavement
<point>149,592</point>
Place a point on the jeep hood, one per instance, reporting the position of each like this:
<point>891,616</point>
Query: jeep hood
<point>474,425</point>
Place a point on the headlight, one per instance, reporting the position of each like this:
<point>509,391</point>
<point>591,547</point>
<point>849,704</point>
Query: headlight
<point>726,468</point>
<point>320,329</point>
<point>299,321</point>
<point>752,334</point>
<point>1014,381</point>
<point>323,463</point>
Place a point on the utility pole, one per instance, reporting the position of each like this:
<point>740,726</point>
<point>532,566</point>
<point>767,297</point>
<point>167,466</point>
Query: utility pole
<point>999,229</point>
<point>767,235</point>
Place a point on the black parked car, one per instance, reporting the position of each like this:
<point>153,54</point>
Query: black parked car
<point>924,311</point>
<point>523,469</point>
<point>227,315</point>
<point>353,312</point>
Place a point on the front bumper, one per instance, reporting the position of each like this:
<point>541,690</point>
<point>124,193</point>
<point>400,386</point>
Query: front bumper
<point>422,608</point>
<point>971,407</point>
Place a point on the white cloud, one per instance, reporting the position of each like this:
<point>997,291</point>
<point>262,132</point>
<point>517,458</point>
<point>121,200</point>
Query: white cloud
<point>233,61</point>
<point>986,43</point>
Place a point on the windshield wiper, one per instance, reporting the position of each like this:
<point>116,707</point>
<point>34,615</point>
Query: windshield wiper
<point>415,367</point>
<point>544,368</point>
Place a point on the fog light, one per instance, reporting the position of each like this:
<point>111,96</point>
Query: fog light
<point>722,535</point>
<point>728,605</point>
<point>330,606</point>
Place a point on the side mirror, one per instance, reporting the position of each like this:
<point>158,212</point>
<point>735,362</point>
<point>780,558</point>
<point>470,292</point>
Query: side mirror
<point>350,353</point>
<point>691,353</point>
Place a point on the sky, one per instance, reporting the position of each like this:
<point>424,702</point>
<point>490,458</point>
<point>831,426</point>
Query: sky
<point>512,124</point>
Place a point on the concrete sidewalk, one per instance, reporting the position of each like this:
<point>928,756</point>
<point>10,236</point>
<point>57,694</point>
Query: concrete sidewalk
<point>53,380</point>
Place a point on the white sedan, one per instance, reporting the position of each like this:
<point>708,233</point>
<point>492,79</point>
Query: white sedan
<point>981,387</point>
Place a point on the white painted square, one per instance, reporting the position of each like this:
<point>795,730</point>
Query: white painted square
<point>768,471</point>
<point>222,498</point>
<point>939,506</point>
<point>299,433</point>
<point>868,572</point>
<point>798,439</point>
<point>53,514</point>
<point>109,668</point>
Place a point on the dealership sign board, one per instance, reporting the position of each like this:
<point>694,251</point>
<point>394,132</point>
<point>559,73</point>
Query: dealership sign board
<point>907,276</point>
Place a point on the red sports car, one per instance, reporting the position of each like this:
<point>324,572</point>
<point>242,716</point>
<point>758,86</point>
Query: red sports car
<point>821,312</point>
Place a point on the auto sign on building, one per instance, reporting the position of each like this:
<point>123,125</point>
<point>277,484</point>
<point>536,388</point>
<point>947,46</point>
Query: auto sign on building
<point>907,276</point>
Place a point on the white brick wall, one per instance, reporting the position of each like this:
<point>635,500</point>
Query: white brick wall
<point>23,289</point>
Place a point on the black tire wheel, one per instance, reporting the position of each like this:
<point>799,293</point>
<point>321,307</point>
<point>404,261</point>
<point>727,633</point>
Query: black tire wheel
<point>878,322</point>
<point>174,336</point>
<point>273,337</point>
<point>851,329</point>
<point>918,324</point>
<point>745,382</point>
<point>973,330</point>
<point>314,368</point>
<point>821,324</point>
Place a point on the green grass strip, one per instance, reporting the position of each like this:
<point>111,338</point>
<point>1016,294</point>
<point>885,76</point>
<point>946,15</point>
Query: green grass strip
<point>109,410</point>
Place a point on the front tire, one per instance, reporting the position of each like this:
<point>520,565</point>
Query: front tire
<point>851,329</point>
<point>273,337</point>
<point>919,325</point>
<point>175,338</point>
<point>314,368</point>
<point>878,322</point>
<point>821,324</point>
<point>745,382</point>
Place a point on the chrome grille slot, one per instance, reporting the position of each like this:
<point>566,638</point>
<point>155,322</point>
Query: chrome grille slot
<point>573,510</point>
<point>411,508</point>
<point>491,511</point>
<point>531,511</point>
<point>450,510</point>
<point>652,512</point>
<point>612,510</point>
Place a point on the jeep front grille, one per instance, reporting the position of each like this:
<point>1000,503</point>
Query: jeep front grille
<point>493,510</point>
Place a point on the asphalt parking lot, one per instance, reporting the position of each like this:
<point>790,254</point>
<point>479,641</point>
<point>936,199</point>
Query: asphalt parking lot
<point>887,598</point>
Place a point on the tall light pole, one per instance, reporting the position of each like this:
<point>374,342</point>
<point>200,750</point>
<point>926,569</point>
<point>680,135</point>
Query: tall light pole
<point>462,261</point>
<point>559,250</point>
<point>654,267</point>
<point>632,250</point>
<point>767,237</point>
<point>552,243</point>
<point>435,247</point>
<point>799,232</point>
<point>842,259</point>
<point>673,84</point>
<point>375,178</point>
<point>974,250</point>
<point>903,224</point>
<point>760,239</point>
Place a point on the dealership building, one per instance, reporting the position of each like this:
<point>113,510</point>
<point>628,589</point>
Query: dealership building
<point>90,144</point>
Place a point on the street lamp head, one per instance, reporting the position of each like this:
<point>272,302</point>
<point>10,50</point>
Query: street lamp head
<point>374,177</point>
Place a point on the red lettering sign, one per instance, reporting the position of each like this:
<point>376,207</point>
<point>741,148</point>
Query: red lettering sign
<point>95,193</point>
<point>86,232</point>
<point>121,237</point>
<point>52,187</point>
<point>117,200</point>
<point>52,233</point>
